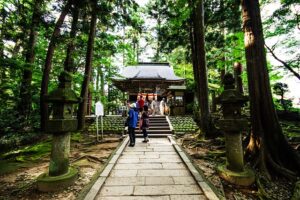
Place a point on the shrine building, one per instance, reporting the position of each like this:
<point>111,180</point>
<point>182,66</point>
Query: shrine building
<point>153,81</point>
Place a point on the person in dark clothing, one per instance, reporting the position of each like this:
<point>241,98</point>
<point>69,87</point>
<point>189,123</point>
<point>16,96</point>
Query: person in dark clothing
<point>141,103</point>
<point>133,119</point>
<point>145,123</point>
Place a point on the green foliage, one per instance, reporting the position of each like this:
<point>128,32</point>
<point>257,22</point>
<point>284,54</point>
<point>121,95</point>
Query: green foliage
<point>29,153</point>
<point>183,124</point>
<point>121,30</point>
<point>111,124</point>
<point>76,137</point>
<point>182,68</point>
<point>280,28</point>
<point>281,89</point>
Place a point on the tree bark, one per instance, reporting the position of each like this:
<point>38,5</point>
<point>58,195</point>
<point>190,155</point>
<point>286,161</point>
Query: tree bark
<point>25,89</point>
<point>88,69</point>
<point>194,62</point>
<point>102,92</point>
<point>213,102</point>
<point>2,69</point>
<point>267,145</point>
<point>48,63</point>
<point>198,22</point>
<point>3,17</point>
<point>69,61</point>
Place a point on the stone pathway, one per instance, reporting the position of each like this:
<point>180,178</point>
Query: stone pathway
<point>150,171</point>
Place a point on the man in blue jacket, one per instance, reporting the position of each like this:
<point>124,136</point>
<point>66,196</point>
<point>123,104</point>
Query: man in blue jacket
<point>133,119</point>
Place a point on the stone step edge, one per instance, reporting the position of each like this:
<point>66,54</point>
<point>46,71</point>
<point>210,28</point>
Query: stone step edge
<point>154,135</point>
<point>207,190</point>
<point>106,171</point>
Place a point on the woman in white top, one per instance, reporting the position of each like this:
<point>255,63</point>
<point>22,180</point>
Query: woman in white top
<point>162,106</point>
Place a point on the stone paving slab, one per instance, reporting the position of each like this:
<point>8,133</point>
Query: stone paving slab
<point>129,160</point>
<point>161,153</point>
<point>134,153</point>
<point>163,172</point>
<point>160,160</point>
<point>136,198</point>
<point>142,156</point>
<point>139,166</point>
<point>187,197</point>
<point>166,189</point>
<point>117,190</point>
<point>124,172</point>
<point>173,166</point>
<point>158,180</point>
<point>125,181</point>
<point>184,180</point>
<point>149,171</point>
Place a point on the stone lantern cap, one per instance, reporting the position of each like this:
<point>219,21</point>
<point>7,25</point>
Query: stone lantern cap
<point>230,95</point>
<point>64,93</point>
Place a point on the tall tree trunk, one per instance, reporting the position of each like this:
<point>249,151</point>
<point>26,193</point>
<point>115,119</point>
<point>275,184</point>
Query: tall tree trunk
<point>195,69</point>
<point>201,68</point>
<point>88,69</point>
<point>2,69</point>
<point>102,92</point>
<point>100,82</point>
<point>48,63</point>
<point>157,56</point>
<point>89,102</point>
<point>17,47</point>
<point>3,18</point>
<point>267,142</point>
<point>24,106</point>
<point>97,82</point>
<point>69,61</point>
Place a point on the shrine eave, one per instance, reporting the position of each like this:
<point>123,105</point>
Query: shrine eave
<point>134,85</point>
<point>147,77</point>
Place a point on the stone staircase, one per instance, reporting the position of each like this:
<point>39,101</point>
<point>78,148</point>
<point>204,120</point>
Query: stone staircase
<point>159,125</point>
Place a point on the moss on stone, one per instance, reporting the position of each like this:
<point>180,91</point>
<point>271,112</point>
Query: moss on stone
<point>46,183</point>
<point>76,137</point>
<point>29,153</point>
<point>7,167</point>
<point>245,178</point>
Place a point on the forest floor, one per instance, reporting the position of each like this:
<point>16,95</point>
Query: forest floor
<point>208,154</point>
<point>20,168</point>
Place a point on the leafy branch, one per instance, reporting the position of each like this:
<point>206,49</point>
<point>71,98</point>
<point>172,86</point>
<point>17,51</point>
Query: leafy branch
<point>285,64</point>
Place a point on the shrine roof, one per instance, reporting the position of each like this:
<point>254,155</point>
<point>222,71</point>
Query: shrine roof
<point>157,71</point>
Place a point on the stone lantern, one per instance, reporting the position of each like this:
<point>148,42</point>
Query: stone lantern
<point>232,124</point>
<point>60,125</point>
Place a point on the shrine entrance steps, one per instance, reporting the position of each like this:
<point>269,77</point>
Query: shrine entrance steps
<point>158,170</point>
<point>159,126</point>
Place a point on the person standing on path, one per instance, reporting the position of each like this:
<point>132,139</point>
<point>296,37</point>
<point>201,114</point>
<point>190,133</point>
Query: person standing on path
<point>162,106</point>
<point>154,106</point>
<point>133,119</point>
<point>145,123</point>
<point>141,103</point>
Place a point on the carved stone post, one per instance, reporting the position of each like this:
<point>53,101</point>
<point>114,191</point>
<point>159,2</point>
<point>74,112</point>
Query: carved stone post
<point>232,124</point>
<point>237,67</point>
<point>60,125</point>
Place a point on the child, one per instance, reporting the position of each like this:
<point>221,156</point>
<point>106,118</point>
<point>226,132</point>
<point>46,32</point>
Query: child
<point>145,123</point>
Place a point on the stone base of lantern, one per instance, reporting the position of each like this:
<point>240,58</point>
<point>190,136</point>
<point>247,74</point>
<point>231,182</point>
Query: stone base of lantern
<point>245,178</point>
<point>46,183</point>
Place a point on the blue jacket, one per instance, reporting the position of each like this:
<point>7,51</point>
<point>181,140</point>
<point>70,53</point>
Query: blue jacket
<point>133,118</point>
